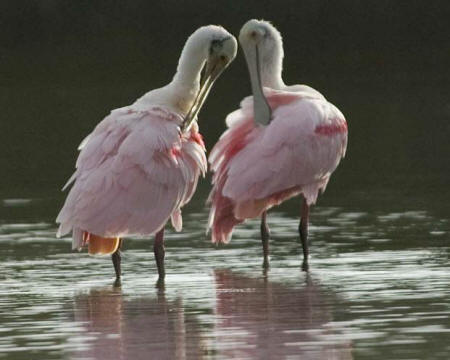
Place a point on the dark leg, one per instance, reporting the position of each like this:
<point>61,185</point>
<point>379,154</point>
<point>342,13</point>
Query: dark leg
<point>158,248</point>
<point>265,233</point>
<point>303,230</point>
<point>116,259</point>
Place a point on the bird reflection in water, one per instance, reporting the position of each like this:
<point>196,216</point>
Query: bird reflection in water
<point>252,319</point>
<point>119,328</point>
<point>259,319</point>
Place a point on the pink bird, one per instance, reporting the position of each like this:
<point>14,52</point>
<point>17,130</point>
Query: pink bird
<point>141,164</point>
<point>284,141</point>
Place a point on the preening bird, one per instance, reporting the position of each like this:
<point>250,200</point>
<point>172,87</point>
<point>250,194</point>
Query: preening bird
<point>284,141</point>
<point>141,164</point>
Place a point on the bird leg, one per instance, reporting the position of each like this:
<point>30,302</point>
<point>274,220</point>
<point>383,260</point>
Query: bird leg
<point>116,259</point>
<point>265,233</point>
<point>158,249</point>
<point>303,230</point>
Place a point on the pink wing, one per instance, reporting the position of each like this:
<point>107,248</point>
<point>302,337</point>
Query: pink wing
<point>259,167</point>
<point>133,173</point>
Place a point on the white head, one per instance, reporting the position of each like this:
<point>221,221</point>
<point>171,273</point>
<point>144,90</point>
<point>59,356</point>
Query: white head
<point>210,48</point>
<point>263,49</point>
<point>261,39</point>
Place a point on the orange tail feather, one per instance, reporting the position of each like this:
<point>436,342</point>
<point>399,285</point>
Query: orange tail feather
<point>98,245</point>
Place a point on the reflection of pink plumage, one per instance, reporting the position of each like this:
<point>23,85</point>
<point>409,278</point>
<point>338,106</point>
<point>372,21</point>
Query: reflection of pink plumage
<point>141,163</point>
<point>284,141</point>
<point>262,319</point>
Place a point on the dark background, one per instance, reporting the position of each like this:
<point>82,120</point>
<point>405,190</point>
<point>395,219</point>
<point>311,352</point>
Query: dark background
<point>386,64</point>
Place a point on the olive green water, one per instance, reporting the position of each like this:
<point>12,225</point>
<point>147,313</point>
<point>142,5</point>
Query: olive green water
<point>379,285</point>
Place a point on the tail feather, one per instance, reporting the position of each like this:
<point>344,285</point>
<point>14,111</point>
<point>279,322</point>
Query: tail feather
<point>77,239</point>
<point>224,222</point>
<point>98,245</point>
<point>226,213</point>
<point>177,220</point>
<point>222,219</point>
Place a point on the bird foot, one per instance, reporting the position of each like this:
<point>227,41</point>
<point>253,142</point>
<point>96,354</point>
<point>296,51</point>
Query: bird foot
<point>305,265</point>
<point>117,282</point>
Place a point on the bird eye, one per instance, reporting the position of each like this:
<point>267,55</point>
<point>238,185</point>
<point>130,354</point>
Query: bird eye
<point>259,33</point>
<point>215,46</point>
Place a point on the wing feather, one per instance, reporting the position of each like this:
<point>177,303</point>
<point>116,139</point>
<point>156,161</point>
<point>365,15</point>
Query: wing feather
<point>127,180</point>
<point>258,167</point>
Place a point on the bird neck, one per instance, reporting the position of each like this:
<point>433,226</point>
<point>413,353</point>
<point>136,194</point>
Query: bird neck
<point>180,93</point>
<point>186,82</point>
<point>272,67</point>
<point>271,77</point>
<point>189,66</point>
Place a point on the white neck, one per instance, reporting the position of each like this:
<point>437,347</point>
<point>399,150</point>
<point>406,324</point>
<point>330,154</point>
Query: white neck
<point>272,67</point>
<point>189,66</point>
<point>179,94</point>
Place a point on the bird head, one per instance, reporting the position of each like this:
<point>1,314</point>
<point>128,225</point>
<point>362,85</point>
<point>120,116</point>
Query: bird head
<point>218,48</point>
<point>263,49</point>
<point>265,37</point>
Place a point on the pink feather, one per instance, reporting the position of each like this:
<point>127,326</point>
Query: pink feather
<point>134,172</point>
<point>258,167</point>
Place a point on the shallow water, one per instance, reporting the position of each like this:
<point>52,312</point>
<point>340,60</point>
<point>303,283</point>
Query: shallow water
<point>378,288</point>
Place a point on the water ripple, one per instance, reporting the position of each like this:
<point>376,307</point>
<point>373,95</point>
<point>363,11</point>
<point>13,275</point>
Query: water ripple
<point>378,288</point>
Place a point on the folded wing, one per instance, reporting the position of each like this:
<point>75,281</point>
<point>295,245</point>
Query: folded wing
<point>132,174</point>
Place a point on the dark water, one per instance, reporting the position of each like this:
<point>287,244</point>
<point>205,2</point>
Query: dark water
<point>379,285</point>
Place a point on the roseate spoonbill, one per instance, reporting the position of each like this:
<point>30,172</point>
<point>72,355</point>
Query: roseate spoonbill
<point>284,141</point>
<point>141,164</point>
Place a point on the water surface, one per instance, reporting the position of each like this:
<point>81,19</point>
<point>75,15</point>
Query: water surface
<point>378,288</point>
